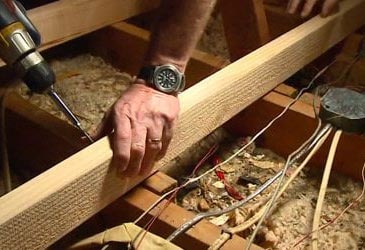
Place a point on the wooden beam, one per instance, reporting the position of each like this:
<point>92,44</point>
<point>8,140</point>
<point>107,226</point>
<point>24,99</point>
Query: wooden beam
<point>128,43</point>
<point>201,236</point>
<point>245,26</point>
<point>49,206</point>
<point>160,183</point>
<point>286,90</point>
<point>61,21</point>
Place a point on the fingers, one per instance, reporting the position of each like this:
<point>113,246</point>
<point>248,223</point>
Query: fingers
<point>141,117</point>
<point>293,6</point>
<point>154,144</point>
<point>166,138</point>
<point>308,7</point>
<point>329,7</point>
<point>122,139</point>
<point>137,149</point>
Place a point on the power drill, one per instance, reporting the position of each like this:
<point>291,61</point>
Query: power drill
<point>19,40</point>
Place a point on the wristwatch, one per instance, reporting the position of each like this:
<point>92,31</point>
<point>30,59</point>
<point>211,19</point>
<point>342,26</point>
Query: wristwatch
<point>165,78</point>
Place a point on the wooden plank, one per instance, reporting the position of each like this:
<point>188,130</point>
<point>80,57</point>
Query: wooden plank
<point>160,183</point>
<point>127,45</point>
<point>286,90</point>
<point>245,26</point>
<point>294,128</point>
<point>62,21</point>
<point>139,199</point>
<point>49,206</point>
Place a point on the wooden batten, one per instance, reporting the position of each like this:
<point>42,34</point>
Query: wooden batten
<point>50,205</point>
<point>61,21</point>
<point>201,236</point>
<point>160,183</point>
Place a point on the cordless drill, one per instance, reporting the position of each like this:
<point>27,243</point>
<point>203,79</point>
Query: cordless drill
<point>19,40</point>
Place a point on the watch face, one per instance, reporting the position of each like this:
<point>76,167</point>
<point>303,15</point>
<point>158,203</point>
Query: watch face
<point>167,79</point>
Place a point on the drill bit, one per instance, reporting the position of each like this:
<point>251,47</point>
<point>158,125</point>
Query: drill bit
<point>67,111</point>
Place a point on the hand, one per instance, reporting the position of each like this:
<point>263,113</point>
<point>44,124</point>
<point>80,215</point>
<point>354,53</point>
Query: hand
<point>143,121</point>
<point>328,7</point>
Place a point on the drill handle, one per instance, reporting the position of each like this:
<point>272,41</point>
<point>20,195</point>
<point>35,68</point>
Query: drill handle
<point>21,14</point>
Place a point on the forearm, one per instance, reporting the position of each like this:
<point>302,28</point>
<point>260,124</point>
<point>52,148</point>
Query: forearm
<point>179,26</point>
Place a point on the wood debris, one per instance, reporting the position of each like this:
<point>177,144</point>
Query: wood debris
<point>293,215</point>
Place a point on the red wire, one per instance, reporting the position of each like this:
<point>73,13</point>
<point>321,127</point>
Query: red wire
<point>149,224</point>
<point>211,151</point>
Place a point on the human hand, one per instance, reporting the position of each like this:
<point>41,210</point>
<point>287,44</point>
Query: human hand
<point>328,7</point>
<point>143,120</point>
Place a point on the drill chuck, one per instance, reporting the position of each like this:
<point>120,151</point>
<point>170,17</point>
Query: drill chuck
<point>39,77</point>
<point>18,50</point>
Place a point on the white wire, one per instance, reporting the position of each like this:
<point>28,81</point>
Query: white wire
<point>276,191</point>
<point>253,139</point>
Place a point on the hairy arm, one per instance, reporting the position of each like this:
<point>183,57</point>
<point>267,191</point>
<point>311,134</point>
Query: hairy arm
<point>179,27</point>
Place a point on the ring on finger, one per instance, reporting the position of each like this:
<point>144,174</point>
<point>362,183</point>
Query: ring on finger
<point>153,140</point>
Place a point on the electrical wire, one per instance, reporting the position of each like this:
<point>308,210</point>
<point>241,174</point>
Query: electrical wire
<point>199,217</point>
<point>253,139</point>
<point>337,217</point>
<point>323,188</point>
<point>211,151</point>
<point>268,183</point>
<point>309,144</point>
<point>259,214</point>
<point>173,193</point>
<point>276,193</point>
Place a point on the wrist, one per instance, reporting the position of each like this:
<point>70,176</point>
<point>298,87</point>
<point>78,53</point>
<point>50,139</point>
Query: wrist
<point>160,59</point>
<point>147,87</point>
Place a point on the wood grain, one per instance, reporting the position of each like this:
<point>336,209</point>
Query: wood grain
<point>49,206</point>
<point>160,183</point>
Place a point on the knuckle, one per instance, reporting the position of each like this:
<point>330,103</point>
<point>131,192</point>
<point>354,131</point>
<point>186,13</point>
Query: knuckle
<point>123,136</point>
<point>121,108</point>
<point>154,146</point>
<point>121,155</point>
<point>138,149</point>
<point>169,118</point>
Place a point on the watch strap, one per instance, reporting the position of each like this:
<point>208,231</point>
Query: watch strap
<point>146,73</point>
